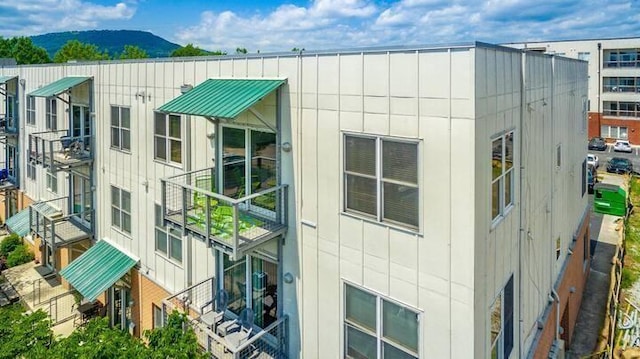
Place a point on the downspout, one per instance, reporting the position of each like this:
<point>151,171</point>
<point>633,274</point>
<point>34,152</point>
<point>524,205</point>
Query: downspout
<point>556,297</point>
<point>521,233</point>
<point>599,86</point>
<point>188,167</point>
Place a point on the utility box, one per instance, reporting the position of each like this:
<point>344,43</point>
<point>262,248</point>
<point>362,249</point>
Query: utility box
<point>609,199</point>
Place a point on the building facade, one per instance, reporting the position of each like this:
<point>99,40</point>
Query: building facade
<point>423,202</point>
<point>614,82</point>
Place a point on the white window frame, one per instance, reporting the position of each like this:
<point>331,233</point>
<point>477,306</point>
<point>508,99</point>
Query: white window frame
<point>170,234</point>
<point>499,341</point>
<point>31,170</point>
<point>52,181</point>
<point>120,129</point>
<point>168,139</point>
<point>379,337</point>
<point>614,132</point>
<point>31,110</point>
<point>504,204</point>
<point>122,213</point>
<point>51,121</point>
<point>380,181</point>
<point>156,313</point>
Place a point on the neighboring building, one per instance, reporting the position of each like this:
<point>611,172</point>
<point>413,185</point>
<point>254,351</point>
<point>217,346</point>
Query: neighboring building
<point>614,82</point>
<point>423,202</point>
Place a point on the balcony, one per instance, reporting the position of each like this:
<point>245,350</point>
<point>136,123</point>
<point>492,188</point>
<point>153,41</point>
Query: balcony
<point>8,178</point>
<point>56,150</point>
<point>57,228</point>
<point>232,225</point>
<point>264,343</point>
<point>8,127</point>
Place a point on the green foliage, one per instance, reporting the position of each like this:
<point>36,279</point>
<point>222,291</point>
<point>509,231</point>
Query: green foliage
<point>190,50</point>
<point>133,52</point>
<point>23,50</point>
<point>241,50</point>
<point>631,269</point>
<point>20,255</point>
<point>172,341</point>
<point>76,50</point>
<point>295,49</point>
<point>9,243</point>
<point>22,335</point>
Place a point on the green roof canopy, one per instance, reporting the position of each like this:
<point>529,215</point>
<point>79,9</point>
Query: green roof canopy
<point>97,269</point>
<point>19,223</point>
<point>4,79</point>
<point>219,98</point>
<point>58,87</point>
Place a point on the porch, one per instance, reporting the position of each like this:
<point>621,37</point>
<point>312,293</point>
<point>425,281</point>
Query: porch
<point>58,150</point>
<point>197,302</point>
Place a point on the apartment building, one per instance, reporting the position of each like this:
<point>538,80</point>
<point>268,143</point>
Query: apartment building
<point>614,82</point>
<point>423,202</point>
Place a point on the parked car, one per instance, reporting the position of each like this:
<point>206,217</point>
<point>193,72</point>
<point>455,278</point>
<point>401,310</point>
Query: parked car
<point>593,160</point>
<point>598,144</point>
<point>622,146</point>
<point>619,165</point>
<point>592,177</point>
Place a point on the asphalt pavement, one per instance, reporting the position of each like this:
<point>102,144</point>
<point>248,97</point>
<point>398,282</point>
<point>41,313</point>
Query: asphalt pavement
<point>605,156</point>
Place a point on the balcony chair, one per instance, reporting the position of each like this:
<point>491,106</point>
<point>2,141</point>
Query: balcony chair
<point>218,307</point>
<point>70,145</point>
<point>244,325</point>
<point>4,174</point>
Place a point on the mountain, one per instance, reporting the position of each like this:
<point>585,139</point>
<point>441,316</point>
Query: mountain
<point>111,40</point>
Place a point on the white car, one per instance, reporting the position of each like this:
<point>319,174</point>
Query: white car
<point>622,146</point>
<point>592,160</point>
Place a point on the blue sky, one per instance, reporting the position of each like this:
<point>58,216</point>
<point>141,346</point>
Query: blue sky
<point>276,25</point>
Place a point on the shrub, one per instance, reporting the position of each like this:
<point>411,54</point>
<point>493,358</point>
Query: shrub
<point>20,255</point>
<point>9,243</point>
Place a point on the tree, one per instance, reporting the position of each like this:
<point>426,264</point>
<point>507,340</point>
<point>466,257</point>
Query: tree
<point>24,336</point>
<point>241,50</point>
<point>295,49</point>
<point>23,50</point>
<point>76,50</point>
<point>190,50</point>
<point>133,52</point>
<point>172,340</point>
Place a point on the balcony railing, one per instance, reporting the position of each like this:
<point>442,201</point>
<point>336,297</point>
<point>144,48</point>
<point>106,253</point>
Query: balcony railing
<point>58,228</point>
<point>233,225</point>
<point>8,126</point>
<point>266,343</point>
<point>57,150</point>
<point>8,177</point>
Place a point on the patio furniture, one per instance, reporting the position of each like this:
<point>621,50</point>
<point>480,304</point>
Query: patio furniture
<point>84,312</point>
<point>245,328</point>
<point>216,314</point>
<point>70,145</point>
<point>4,174</point>
<point>229,326</point>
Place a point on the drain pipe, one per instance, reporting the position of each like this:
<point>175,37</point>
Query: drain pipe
<point>555,295</point>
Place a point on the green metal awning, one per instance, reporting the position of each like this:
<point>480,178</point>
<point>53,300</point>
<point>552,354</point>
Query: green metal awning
<point>224,99</point>
<point>97,269</point>
<point>4,79</point>
<point>58,87</point>
<point>19,223</point>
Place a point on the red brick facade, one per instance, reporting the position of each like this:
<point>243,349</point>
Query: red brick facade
<point>570,291</point>
<point>597,120</point>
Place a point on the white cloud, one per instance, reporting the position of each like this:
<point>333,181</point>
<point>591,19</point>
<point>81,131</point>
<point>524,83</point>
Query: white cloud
<point>41,16</point>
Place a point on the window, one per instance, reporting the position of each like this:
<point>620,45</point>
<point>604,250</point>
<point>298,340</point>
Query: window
<point>501,174</point>
<point>121,209</point>
<point>31,170</point>
<point>120,128</point>
<point>381,179</point>
<point>559,155</point>
<point>617,132</point>
<point>52,181</point>
<point>621,58</point>
<point>586,248</point>
<point>52,114</point>
<point>31,110</point>
<point>375,327</point>
<point>167,138</point>
<point>584,177</point>
<point>157,316</point>
<point>558,247</point>
<point>621,109</point>
<point>168,239</point>
<point>584,56</point>
<point>501,323</point>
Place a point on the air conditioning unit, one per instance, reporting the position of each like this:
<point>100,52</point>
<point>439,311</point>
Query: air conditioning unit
<point>557,349</point>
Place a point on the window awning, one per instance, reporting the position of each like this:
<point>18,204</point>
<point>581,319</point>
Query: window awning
<point>58,87</point>
<point>97,269</point>
<point>224,99</point>
<point>4,79</point>
<point>19,223</point>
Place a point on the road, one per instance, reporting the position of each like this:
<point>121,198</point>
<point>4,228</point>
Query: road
<point>605,156</point>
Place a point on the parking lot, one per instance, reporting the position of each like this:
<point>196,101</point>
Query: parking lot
<point>605,156</point>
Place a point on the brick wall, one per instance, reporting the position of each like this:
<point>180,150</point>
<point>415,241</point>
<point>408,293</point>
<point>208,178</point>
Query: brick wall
<point>148,293</point>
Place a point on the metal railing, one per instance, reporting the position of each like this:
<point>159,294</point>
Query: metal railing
<point>233,225</point>
<point>8,126</point>
<point>268,342</point>
<point>49,220</point>
<point>56,149</point>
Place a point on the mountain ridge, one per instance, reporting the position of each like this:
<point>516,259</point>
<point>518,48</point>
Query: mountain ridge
<point>112,41</point>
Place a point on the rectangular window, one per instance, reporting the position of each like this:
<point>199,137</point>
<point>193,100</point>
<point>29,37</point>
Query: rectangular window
<point>168,239</point>
<point>584,56</point>
<point>121,128</point>
<point>375,327</point>
<point>31,170</point>
<point>121,209</point>
<point>157,316</point>
<point>381,179</point>
<point>31,110</point>
<point>167,138</point>
<point>501,174</point>
<point>559,155</point>
<point>501,323</point>
<point>52,114</point>
<point>52,181</point>
<point>621,109</point>
<point>584,177</point>
<point>616,132</point>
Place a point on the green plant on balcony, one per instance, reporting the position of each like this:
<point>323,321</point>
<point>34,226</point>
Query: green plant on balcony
<point>221,217</point>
